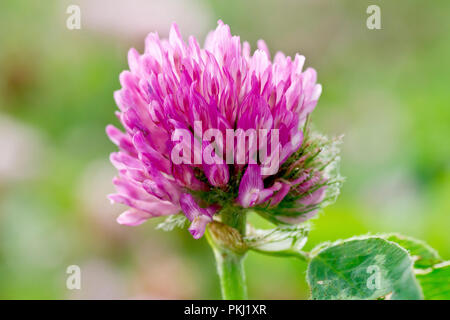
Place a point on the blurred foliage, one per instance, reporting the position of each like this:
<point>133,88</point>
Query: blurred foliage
<point>386,90</point>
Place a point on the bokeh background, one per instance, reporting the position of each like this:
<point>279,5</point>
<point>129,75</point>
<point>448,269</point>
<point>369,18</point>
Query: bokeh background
<point>386,90</point>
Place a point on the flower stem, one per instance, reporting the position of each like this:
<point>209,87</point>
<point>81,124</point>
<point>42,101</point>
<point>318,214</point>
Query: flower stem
<point>226,241</point>
<point>230,267</point>
<point>234,218</point>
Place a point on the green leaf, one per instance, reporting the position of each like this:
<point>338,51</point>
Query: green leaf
<point>362,268</point>
<point>280,241</point>
<point>422,254</point>
<point>436,282</point>
<point>432,272</point>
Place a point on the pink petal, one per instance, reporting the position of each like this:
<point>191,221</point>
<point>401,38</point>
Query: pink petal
<point>120,139</point>
<point>299,219</point>
<point>250,186</point>
<point>190,208</point>
<point>282,192</point>
<point>154,208</point>
<point>198,216</point>
<point>217,174</point>
<point>133,217</point>
<point>313,198</point>
<point>198,226</point>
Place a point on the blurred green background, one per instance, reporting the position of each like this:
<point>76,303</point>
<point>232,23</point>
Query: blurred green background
<point>386,90</point>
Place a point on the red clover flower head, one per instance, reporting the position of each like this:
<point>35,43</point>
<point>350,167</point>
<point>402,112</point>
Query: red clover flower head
<point>216,127</point>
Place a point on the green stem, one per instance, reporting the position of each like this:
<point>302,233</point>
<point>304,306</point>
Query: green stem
<point>230,267</point>
<point>302,255</point>
<point>234,218</point>
<point>229,259</point>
